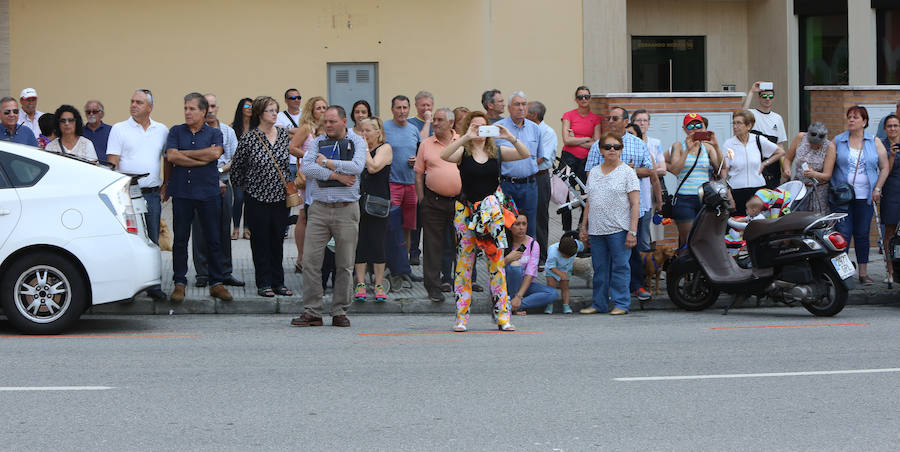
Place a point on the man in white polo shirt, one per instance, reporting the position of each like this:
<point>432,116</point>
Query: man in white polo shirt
<point>136,146</point>
<point>289,119</point>
<point>769,126</point>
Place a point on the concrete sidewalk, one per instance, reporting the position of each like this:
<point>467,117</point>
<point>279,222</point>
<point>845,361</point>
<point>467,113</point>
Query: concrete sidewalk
<point>406,300</point>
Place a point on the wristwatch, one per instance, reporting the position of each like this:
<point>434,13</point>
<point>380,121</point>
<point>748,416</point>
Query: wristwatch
<point>633,233</point>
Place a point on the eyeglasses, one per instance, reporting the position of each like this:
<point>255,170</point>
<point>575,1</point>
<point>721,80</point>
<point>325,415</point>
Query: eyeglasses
<point>608,147</point>
<point>613,118</point>
<point>816,135</point>
<point>892,126</point>
<point>694,126</point>
<point>14,111</point>
<point>767,95</point>
<point>641,121</point>
<point>247,106</point>
<point>583,96</point>
<point>293,98</point>
<point>92,112</point>
<point>65,120</point>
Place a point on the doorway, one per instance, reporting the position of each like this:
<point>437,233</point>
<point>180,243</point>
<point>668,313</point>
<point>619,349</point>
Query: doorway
<point>668,63</point>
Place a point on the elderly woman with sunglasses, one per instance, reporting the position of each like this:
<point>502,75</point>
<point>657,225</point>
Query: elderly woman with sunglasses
<point>746,157</point>
<point>68,129</point>
<point>810,160</point>
<point>610,224</point>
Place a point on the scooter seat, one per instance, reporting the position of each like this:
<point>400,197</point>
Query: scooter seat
<point>792,222</point>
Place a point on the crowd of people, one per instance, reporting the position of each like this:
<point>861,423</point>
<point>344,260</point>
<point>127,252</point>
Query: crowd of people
<point>379,196</point>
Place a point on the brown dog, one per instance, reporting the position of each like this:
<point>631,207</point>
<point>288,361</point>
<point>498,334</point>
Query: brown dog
<point>654,263</point>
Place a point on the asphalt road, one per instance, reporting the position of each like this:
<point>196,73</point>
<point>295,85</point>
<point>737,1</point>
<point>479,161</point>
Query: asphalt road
<point>407,383</point>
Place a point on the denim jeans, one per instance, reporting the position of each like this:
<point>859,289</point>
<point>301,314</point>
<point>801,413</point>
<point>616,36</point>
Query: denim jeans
<point>526,198</point>
<point>537,295</point>
<point>395,245</point>
<point>609,257</point>
<point>543,213</point>
<point>856,225</point>
<point>154,210</point>
<point>643,245</point>
<point>237,207</point>
<point>183,213</point>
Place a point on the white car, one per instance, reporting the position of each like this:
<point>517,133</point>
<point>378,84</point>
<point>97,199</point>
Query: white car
<point>72,235</point>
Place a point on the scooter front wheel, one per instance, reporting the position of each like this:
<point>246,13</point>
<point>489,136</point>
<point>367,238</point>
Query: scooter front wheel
<point>688,287</point>
<point>834,292</point>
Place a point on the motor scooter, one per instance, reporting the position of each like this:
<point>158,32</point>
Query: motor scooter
<point>795,258</point>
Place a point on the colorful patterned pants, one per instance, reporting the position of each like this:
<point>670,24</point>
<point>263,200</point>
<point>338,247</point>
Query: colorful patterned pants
<point>465,261</point>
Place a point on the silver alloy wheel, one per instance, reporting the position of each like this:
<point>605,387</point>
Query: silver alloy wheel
<point>42,294</point>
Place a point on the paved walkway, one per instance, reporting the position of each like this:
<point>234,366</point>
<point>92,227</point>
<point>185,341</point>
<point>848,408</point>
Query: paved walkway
<point>407,300</point>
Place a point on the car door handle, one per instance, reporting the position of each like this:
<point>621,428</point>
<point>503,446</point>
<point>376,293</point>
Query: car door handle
<point>5,212</point>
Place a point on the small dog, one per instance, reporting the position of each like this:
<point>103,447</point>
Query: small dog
<point>655,262</point>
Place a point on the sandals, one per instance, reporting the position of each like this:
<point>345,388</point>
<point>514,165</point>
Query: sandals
<point>460,327</point>
<point>265,292</point>
<point>282,290</point>
<point>247,234</point>
<point>866,281</point>
<point>234,234</point>
<point>506,327</point>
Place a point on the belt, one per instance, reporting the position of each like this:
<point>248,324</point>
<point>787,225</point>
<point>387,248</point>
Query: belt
<point>146,190</point>
<point>430,192</point>
<point>334,205</point>
<point>543,171</point>
<point>518,180</point>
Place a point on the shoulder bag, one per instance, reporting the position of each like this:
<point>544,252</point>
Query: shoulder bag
<point>292,198</point>
<point>842,194</point>
<point>373,205</point>
<point>668,205</point>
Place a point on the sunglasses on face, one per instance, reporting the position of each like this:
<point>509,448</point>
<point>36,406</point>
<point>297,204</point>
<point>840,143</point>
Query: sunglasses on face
<point>92,112</point>
<point>613,118</point>
<point>816,135</point>
<point>694,126</point>
<point>767,96</point>
<point>583,96</point>
<point>247,106</point>
<point>608,147</point>
<point>293,97</point>
<point>14,111</point>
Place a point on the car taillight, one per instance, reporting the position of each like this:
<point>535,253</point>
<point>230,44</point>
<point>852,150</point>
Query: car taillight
<point>837,240</point>
<point>117,197</point>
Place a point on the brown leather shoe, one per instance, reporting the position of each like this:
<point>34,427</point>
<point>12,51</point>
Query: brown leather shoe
<point>340,320</point>
<point>219,291</point>
<point>307,319</point>
<point>177,294</point>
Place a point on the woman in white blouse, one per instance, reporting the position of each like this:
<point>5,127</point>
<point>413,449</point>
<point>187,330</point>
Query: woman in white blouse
<point>610,224</point>
<point>70,141</point>
<point>745,157</point>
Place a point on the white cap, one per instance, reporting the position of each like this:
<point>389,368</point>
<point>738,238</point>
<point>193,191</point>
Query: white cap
<point>28,92</point>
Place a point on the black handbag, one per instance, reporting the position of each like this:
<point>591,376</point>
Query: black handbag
<point>842,194</point>
<point>376,206</point>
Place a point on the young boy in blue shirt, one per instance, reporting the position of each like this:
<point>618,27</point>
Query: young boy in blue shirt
<point>558,268</point>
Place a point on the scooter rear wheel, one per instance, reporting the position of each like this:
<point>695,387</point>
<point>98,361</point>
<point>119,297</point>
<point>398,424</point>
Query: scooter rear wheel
<point>835,297</point>
<point>688,287</point>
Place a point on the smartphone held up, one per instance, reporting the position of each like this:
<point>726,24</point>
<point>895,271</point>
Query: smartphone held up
<point>488,131</point>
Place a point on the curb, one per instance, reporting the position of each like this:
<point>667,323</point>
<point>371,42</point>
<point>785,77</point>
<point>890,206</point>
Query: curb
<point>412,305</point>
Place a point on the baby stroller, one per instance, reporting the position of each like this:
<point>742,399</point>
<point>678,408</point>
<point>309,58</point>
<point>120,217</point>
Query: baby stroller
<point>793,198</point>
<point>566,186</point>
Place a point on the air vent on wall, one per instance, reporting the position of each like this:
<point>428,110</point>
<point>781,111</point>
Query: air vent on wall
<point>342,76</point>
<point>362,76</point>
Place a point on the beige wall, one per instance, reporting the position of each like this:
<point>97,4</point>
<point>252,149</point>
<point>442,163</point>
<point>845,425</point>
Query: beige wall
<point>724,23</point>
<point>607,46</point>
<point>236,48</point>
<point>773,56</point>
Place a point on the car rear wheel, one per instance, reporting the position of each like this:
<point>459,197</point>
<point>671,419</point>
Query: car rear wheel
<point>43,293</point>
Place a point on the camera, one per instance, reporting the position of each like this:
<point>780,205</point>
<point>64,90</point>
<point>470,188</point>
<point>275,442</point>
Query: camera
<point>766,86</point>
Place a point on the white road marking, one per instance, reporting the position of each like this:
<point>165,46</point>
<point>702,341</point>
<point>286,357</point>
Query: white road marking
<point>773,374</point>
<point>55,388</point>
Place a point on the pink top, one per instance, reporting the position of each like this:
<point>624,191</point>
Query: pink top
<point>530,257</point>
<point>582,126</point>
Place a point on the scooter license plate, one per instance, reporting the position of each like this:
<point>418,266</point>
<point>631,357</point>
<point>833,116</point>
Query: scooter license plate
<point>843,266</point>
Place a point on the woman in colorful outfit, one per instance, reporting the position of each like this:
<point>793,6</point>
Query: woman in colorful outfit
<point>862,162</point>
<point>692,161</point>
<point>479,219</point>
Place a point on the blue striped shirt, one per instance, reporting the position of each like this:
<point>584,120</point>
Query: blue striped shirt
<point>698,176</point>
<point>315,172</point>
